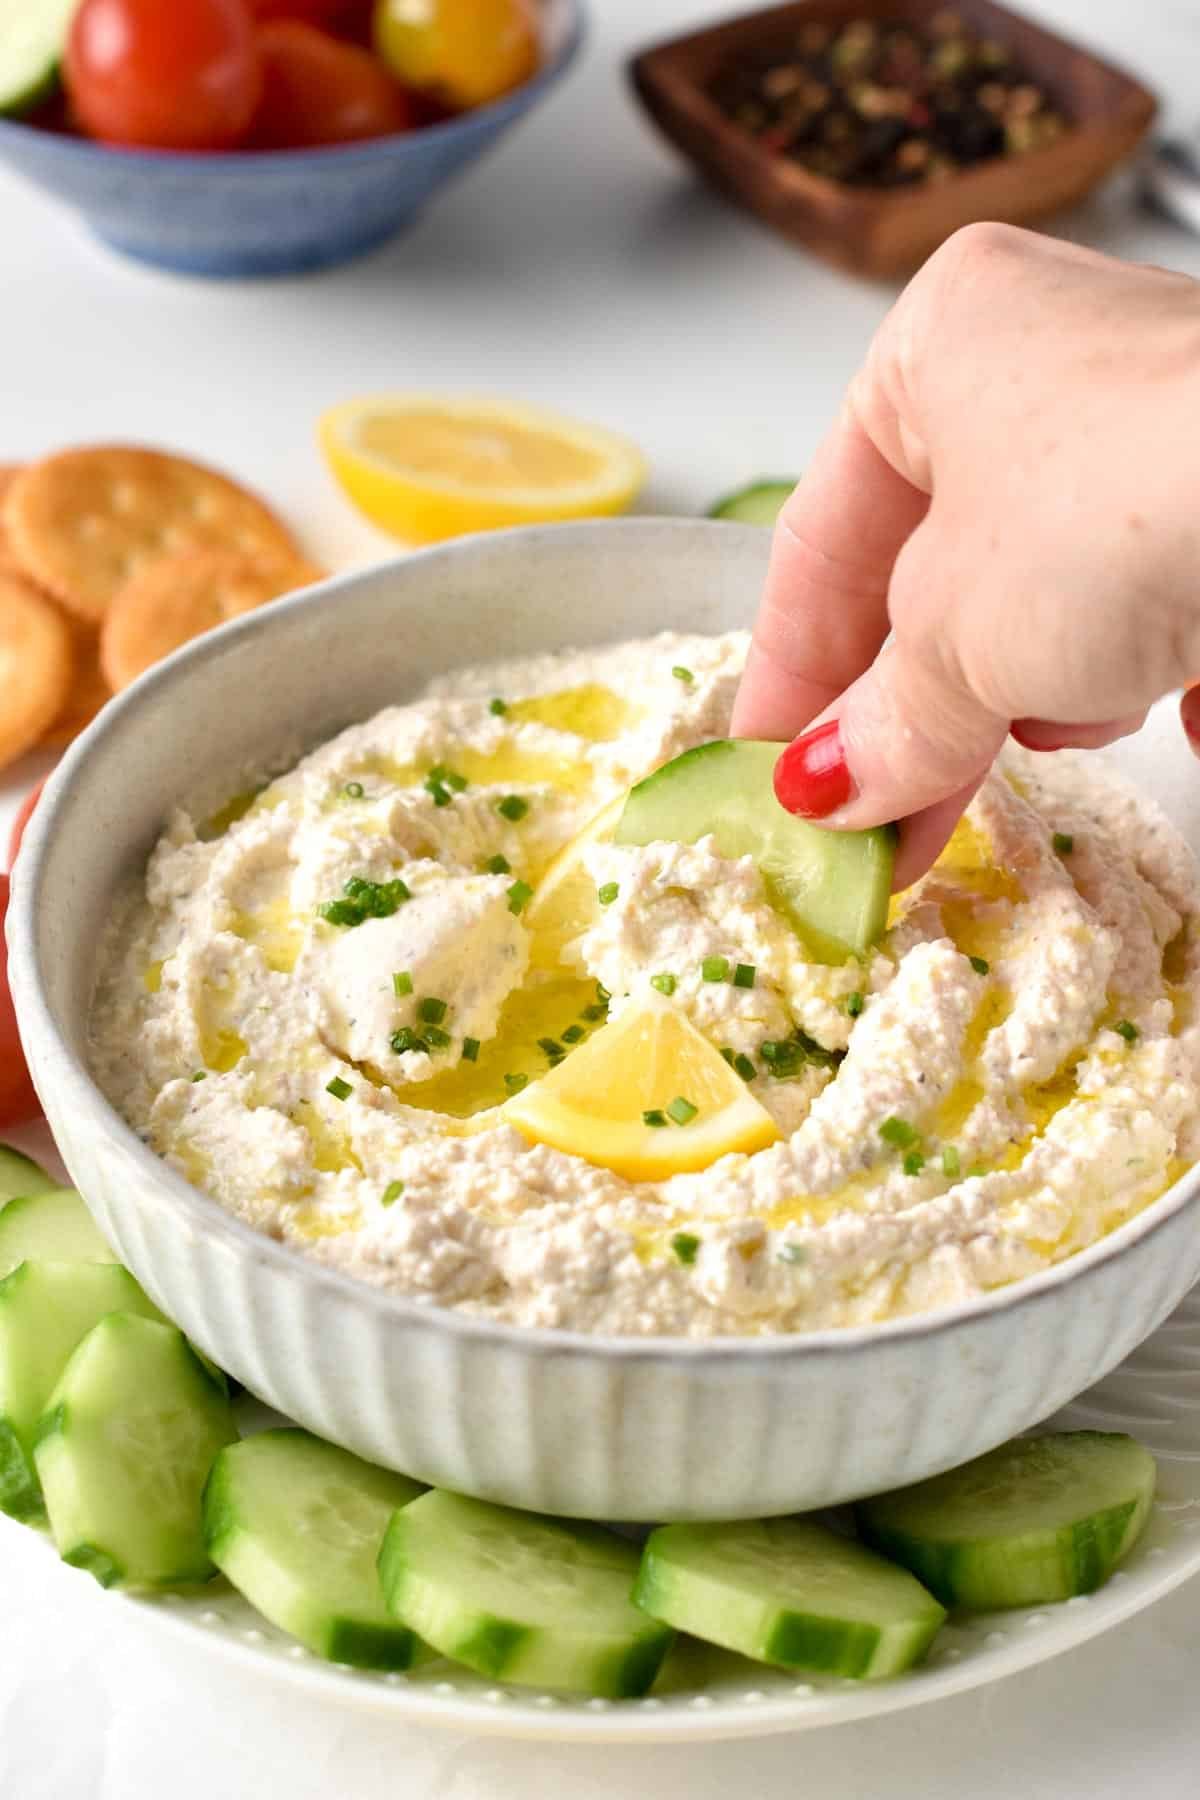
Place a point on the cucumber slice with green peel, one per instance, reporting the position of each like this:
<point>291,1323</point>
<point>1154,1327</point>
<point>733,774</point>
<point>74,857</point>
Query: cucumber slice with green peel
<point>33,36</point>
<point>20,1175</point>
<point>758,504</point>
<point>124,1449</point>
<point>1038,1520</point>
<point>296,1525</point>
<point>789,1592</point>
<point>522,1598</point>
<point>53,1226</point>
<point>46,1309</point>
<point>833,886</point>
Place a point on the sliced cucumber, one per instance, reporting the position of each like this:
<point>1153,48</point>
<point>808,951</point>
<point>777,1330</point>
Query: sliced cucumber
<point>123,1451</point>
<point>532,1600</point>
<point>53,1226</point>
<point>1040,1519</point>
<point>832,885</point>
<point>788,1591</point>
<point>20,1175</point>
<point>758,504</point>
<point>46,1308</point>
<point>296,1525</point>
<point>33,36</point>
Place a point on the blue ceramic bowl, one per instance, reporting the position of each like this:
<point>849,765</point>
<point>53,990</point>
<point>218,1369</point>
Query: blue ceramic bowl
<point>277,212</point>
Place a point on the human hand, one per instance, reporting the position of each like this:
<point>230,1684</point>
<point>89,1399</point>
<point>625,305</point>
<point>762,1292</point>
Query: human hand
<point>1013,492</point>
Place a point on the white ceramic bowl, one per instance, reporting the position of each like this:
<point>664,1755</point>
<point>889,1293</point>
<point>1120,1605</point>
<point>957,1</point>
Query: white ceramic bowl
<point>612,1428</point>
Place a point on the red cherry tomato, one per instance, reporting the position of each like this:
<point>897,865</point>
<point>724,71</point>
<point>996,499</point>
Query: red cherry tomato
<point>21,821</point>
<point>18,1101</point>
<point>183,76</point>
<point>313,12</point>
<point>319,91</point>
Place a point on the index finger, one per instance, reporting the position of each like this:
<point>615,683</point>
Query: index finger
<point>823,614</point>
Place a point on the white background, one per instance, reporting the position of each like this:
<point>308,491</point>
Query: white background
<point>582,268</point>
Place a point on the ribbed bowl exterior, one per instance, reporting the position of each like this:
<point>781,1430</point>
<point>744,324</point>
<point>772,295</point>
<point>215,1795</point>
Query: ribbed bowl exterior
<point>601,1427</point>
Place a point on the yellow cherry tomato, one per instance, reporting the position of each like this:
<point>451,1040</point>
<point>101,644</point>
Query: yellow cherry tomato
<point>467,52</point>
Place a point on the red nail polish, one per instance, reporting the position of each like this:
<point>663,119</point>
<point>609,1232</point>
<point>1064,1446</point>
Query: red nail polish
<point>812,777</point>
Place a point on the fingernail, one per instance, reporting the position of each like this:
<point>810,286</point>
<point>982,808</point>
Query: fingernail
<point>1036,740</point>
<point>812,777</point>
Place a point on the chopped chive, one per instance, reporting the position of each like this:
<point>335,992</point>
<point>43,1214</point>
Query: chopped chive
<point>980,964</point>
<point>498,707</point>
<point>519,896</point>
<point>594,1013</point>
<point>498,865</point>
<point>1063,843</point>
<point>744,975</point>
<point>608,893</point>
<point>341,1090</point>
<point>899,1133</point>
<point>391,1193</point>
<point>514,1083</point>
<point>854,1004</point>
<point>573,1033</point>
<point>951,1162</point>
<point>432,1010</point>
<point>441,794</point>
<point>401,983</point>
<point>685,1245</point>
<point>602,993</point>
<point>654,1117</point>
<point>353,790</point>
<point>552,1047</point>
<point>1128,1030</point>
<point>715,968</point>
<point>365,900</point>
<point>470,1050</point>
<point>455,782</point>
<point>665,983</point>
<point>436,1038</point>
<point>792,1253</point>
<point>512,807</point>
<point>682,674</point>
<point>200,1075</point>
<point>914,1162</point>
<point>342,912</point>
<point>744,1067</point>
<point>976,1169</point>
<point>727,1053</point>
<point>681,1110</point>
<point>407,1039</point>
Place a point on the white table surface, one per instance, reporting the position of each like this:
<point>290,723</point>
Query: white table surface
<point>580,267</point>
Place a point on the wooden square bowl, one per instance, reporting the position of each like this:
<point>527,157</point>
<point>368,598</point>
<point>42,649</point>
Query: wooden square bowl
<point>888,231</point>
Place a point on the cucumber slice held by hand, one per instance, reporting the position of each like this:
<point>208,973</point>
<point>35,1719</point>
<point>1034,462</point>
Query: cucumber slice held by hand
<point>33,36</point>
<point>1038,1520</point>
<point>46,1308</point>
<point>789,1592</point>
<point>832,885</point>
<point>123,1452</point>
<point>20,1175</point>
<point>53,1226</point>
<point>522,1598</point>
<point>296,1525</point>
<point>758,504</point>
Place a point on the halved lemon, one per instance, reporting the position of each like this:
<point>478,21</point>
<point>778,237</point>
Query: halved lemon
<point>565,903</point>
<point>431,466</point>
<point>647,1097</point>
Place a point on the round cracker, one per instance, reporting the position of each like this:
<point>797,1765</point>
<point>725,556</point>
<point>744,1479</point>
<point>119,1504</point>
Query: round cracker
<point>83,523</point>
<point>89,691</point>
<point>35,666</point>
<point>8,562</point>
<point>179,597</point>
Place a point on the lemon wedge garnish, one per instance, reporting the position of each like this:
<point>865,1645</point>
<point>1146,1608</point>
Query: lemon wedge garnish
<point>649,1061</point>
<point>565,903</point>
<point>428,466</point>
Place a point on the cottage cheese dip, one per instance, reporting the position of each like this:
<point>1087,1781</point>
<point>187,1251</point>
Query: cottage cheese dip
<point>316,1004</point>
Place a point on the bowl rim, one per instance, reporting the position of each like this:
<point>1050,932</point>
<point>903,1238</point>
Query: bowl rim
<point>659,70</point>
<point>70,146</point>
<point>84,1094</point>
